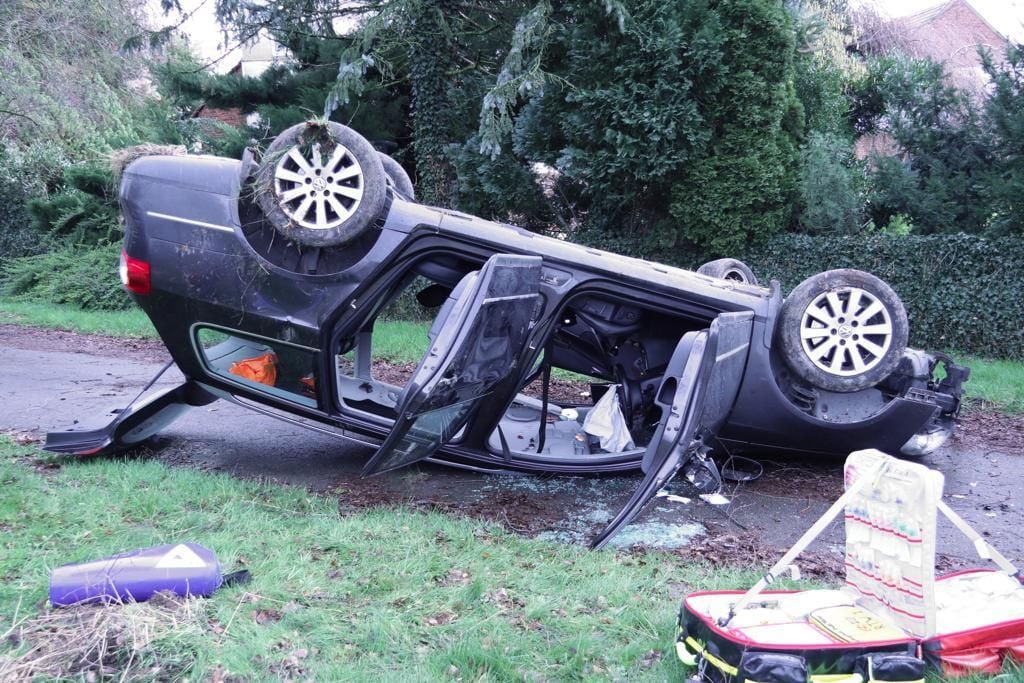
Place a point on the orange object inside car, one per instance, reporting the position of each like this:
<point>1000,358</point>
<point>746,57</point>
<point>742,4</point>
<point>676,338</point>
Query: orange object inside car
<point>262,369</point>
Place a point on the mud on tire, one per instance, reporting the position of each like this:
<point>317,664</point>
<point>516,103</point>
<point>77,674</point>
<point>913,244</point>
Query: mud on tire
<point>729,269</point>
<point>321,184</point>
<point>842,330</point>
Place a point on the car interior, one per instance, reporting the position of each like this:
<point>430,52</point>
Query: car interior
<point>599,339</point>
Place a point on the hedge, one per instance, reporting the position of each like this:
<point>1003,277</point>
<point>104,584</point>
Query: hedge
<point>85,277</point>
<point>962,292</point>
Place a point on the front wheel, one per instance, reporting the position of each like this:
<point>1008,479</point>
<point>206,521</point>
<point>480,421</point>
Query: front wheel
<point>843,330</point>
<point>729,269</point>
<point>321,184</point>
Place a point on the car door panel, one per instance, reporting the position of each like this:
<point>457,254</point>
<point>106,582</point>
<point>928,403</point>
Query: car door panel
<point>476,342</point>
<point>681,398</point>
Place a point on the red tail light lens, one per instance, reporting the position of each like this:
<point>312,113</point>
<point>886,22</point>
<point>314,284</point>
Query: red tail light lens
<point>135,274</point>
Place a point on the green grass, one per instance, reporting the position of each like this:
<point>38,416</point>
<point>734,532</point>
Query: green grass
<point>1000,382</point>
<point>131,323</point>
<point>366,594</point>
<point>386,594</point>
<point>400,341</point>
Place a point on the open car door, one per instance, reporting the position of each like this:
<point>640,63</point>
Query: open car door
<point>681,398</point>
<point>477,341</point>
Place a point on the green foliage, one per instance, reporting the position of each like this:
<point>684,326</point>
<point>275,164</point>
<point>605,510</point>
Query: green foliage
<point>521,74</point>
<point>647,112</point>
<point>961,291</point>
<point>939,178</point>
<point>823,64</point>
<point>16,239</point>
<point>744,188</point>
<point>898,226</point>
<point>83,212</point>
<point>86,278</point>
<point>829,176</point>
<point>16,236</point>
<point>62,78</point>
<point>25,173</point>
<point>1004,123</point>
<point>502,188</point>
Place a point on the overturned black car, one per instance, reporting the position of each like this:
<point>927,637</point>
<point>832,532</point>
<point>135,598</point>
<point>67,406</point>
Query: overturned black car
<point>265,281</point>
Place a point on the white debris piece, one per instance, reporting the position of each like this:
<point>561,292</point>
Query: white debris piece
<point>605,421</point>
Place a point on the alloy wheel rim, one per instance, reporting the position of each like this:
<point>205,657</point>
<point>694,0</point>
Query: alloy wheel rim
<point>846,332</point>
<point>315,192</point>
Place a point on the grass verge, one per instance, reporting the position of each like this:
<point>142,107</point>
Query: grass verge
<point>386,594</point>
<point>130,323</point>
<point>999,382</point>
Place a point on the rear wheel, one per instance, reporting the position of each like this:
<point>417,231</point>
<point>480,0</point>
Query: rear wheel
<point>843,330</point>
<point>399,178</point>
<point>321,184</point>
<point>729,269</point>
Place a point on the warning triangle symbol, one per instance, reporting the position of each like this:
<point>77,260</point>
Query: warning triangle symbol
<point>180,557</point>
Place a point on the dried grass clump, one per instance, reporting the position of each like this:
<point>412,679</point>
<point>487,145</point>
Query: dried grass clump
<point>120,159</point>
<point>97,642</point>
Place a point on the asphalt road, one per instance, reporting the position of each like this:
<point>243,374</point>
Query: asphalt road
<point>42,388</point>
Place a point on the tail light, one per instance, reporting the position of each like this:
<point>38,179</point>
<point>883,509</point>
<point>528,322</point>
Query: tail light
<point>135,274</point>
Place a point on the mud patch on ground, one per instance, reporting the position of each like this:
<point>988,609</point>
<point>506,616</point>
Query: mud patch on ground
<point>791,477</point>
<point>131,348</point>
<point>980,428</point>
<point>748,551</point>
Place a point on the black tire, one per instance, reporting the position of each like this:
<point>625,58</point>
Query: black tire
<point>729,269</point>
<point>400,180</point>
<point>344,207</point>
<point>821,330</point>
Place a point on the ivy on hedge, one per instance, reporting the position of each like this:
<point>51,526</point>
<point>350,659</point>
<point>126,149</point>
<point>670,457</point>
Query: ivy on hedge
<point>962,292</point>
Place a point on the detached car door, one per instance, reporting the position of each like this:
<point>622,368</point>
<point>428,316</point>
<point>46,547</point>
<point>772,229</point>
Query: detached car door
<point>681,398</point>
<point>477,341</point>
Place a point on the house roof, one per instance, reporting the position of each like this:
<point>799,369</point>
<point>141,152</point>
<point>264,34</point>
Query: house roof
<point>925,17</point>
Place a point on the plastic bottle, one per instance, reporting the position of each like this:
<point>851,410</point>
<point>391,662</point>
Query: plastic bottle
<point>183,568</point>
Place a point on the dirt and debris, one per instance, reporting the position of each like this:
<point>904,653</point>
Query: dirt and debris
<point>131,348</point>
<point>122,158</point>
<point>791,476</point>
<point>95,642</point>
<point>985,428</point>
<point>748,550</point>
<point>21,438</point>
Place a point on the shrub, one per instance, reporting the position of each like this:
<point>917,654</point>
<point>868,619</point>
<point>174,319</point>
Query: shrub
<point>16,235</point>
<point>961,292</point>
<point>86,278</point>
<point>25,174</point>
<point>828,186</point>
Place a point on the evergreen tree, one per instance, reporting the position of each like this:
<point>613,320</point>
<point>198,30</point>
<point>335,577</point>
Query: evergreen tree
<point>439,55</point>
<point>938,179</point>
<point>669,123</point>
<point>1004,124</point>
